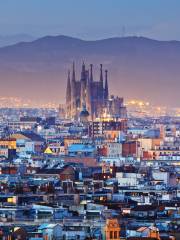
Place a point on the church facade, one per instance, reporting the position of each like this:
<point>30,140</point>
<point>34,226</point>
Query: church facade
<point>93,95</point>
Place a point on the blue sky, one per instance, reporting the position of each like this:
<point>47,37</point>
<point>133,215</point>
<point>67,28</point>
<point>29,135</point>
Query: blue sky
<point>91,19</point>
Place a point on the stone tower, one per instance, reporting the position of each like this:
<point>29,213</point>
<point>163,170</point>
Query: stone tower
<point>68,96</point>
<point>106,90</point>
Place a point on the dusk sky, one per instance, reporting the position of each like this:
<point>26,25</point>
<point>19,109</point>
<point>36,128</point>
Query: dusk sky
<point>91,19</point>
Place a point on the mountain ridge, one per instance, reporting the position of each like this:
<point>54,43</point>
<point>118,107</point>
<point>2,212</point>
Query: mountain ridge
<point>138,67</point>
<point>8,40</point>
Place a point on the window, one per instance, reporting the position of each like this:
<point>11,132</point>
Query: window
<point>111,234</point>
<point>115,235</point>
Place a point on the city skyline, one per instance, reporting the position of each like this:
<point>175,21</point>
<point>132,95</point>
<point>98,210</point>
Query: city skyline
<point>122,42</point>
<point>28,70</point>
<point>89,120</point>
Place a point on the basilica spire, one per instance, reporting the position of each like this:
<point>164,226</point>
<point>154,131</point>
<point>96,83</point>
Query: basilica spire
<point>101,85</point>
<point>68,89</point>
<point>68,96</point>
<point>106,90</point>
<point>73,73</point>
<point>101,73</point>
<point>83,72</point>
<point>91,72</point>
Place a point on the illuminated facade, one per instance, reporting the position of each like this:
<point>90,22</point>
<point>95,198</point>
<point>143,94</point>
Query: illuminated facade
<point>8,148</point>
<point>86,92</point>
<point>112,229</point>
<point>92,95</point>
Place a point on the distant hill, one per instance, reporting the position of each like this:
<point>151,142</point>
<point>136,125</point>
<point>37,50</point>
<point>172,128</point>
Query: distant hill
<point>138,67</point>
<point>6,40</point>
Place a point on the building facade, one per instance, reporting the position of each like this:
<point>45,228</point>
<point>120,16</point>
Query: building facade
<point>86,92</point>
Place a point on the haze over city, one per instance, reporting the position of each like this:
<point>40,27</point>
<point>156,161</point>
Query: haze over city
<point>136,70</point>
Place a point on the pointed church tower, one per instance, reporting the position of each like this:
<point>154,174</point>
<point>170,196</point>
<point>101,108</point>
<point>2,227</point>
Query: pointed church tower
<point>83,72</point>
<point>106,90</point>
<point>83,85</point>
<point>68,96</point>
<point>73,84</point>
<point>73,91</point>
<point>101,93</point>
<point>68,89</point>
<point>101,73</point>
<point>88,94</point>
<point>101,83</point>
<point>91,72</point>
<point>73,73</point>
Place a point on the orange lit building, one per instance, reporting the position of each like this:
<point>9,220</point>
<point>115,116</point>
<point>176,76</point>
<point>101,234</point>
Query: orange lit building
<point>154,233</point>
<point>112,229</point>
<point>8,147</point>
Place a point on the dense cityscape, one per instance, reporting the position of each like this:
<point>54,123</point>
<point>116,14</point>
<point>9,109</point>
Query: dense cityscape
<point>89,169</point>
<point>89,120</point>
